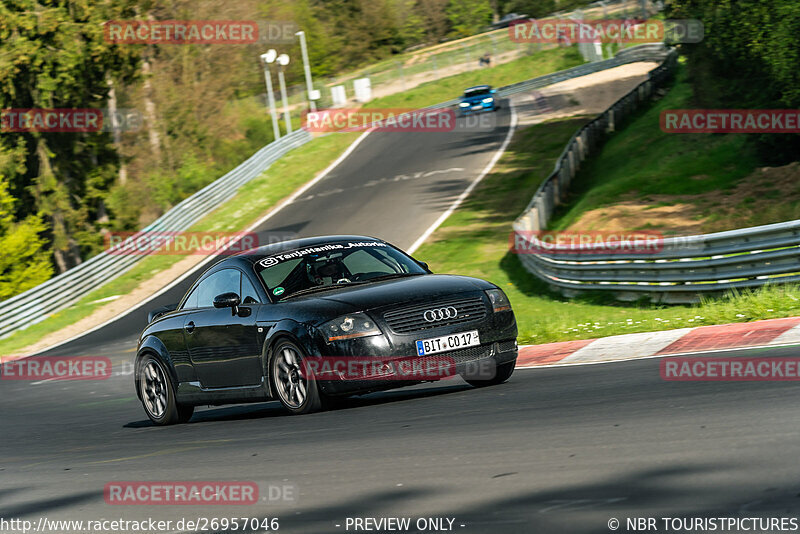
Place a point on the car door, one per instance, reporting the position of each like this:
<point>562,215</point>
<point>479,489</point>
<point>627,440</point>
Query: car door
<point>224,346</point>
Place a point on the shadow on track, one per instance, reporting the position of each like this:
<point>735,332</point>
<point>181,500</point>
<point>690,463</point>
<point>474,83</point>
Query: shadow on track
<point>274,409</point>
<point>46,505</point>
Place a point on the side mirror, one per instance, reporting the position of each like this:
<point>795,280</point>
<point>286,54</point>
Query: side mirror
<point>494,91</point>
<point>227,300</point>
<point>424,265</point>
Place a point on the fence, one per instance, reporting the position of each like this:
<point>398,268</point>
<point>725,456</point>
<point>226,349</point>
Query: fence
<point>59,292</point>
<point>681,268</point>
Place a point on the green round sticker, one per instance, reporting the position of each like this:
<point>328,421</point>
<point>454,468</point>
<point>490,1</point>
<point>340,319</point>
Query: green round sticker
<point>278,291</point>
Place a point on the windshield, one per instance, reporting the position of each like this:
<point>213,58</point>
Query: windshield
<point>331,265</point>
<point>478,91</point>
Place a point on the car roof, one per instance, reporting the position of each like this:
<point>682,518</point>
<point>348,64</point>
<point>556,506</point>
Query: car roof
<point>255,254</point>
<point>476,87</point>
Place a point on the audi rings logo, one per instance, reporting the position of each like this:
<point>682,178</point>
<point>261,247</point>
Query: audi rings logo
<point>440,314</point>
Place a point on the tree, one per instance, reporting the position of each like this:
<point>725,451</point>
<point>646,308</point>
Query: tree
<point>467,17</point>
<point>55,56</point>
<point>25,261</point>
<point>748,58</point>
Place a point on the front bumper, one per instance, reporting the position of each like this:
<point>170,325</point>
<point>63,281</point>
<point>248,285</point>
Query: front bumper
<point>393,358</point>
<point>473,108</point>
<point>478,362</point>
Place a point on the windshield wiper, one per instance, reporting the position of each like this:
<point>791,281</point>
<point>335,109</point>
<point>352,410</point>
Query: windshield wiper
<point>320,288</point>
<point>393,275</point>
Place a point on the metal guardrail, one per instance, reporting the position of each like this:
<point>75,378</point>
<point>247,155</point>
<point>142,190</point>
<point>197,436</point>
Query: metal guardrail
<point>62,290</point>
<point>676,269</point>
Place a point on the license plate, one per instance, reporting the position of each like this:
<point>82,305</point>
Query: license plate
<point>477,107</point>
<point>445,343</point>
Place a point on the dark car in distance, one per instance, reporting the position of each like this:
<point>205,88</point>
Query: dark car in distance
<point>308,320</point>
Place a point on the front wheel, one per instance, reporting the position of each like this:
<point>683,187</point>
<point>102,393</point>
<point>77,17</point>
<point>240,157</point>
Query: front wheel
<point>295,387</point>
<point>502,373</point>
<point>158,394</point>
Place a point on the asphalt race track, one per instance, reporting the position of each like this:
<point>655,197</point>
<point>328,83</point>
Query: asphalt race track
<point>561,449</point>
<point>553,450</point>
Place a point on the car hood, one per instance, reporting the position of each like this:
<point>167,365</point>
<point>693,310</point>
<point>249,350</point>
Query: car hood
<point>388,293</point>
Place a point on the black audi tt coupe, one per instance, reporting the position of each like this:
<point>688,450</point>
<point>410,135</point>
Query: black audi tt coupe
<point>307,320</point>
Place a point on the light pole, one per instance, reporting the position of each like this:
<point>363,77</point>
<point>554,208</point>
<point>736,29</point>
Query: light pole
<point>309,86</point>
<point>283,60</point>
<point>268,58</point>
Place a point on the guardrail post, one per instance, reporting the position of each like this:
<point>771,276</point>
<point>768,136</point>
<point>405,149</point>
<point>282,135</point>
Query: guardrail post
<point>557,188</point>
<point>541,212</point>
<point>583,141</point>
<point>533,220</point>
<point>573,163</point>
<point>566,165</point>
<point>566,180</point>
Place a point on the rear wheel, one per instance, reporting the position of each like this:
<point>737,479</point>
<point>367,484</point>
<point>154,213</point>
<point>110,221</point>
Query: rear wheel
<point>158,394</point>
<point>294,386</point>
<point>502,373</point>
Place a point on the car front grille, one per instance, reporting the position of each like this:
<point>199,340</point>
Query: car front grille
<point>507,346</point>
<point>412,318</point>
<point>460,356</point>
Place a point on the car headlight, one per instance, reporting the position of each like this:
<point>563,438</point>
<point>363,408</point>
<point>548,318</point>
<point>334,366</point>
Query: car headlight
<point>498,299</point>
<point>487,100</point>
<point>464,104</point>
<point>350,326</point>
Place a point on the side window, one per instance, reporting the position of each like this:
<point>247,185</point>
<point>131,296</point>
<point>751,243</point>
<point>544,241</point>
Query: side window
<point>224,281</point>
<point>191,301</point>
<point>248,294</point>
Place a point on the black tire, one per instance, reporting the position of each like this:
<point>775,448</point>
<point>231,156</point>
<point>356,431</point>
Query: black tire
<point>296,391</point>
<point>157,393</point>
<point>185,413</point>
<point>502,373</point>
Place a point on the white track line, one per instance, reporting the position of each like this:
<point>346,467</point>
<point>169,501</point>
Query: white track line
<point>252,227</point>
<point>443,217</point>
<point>652,356</point>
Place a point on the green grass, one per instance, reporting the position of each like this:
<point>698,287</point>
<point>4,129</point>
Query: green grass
<point>523,68</point>
<point>474,241</point>
<point>640,160</point>
<point>253,200</point>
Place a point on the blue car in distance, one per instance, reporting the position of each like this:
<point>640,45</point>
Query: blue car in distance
<point>478,98</point>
